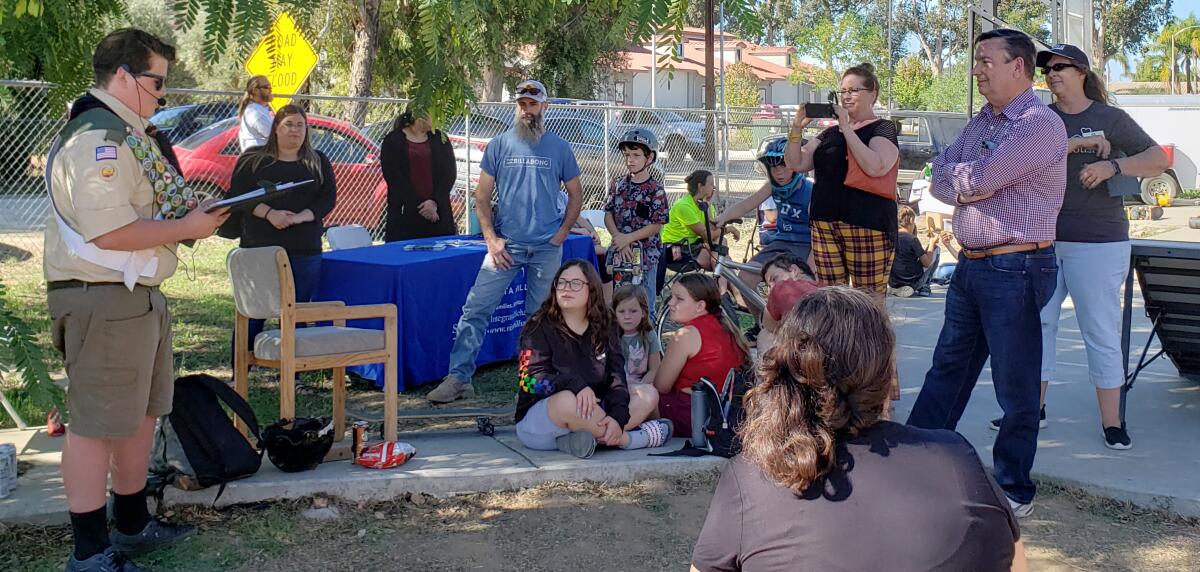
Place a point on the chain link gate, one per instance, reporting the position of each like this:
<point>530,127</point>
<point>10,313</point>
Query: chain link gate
<point>203,127</point>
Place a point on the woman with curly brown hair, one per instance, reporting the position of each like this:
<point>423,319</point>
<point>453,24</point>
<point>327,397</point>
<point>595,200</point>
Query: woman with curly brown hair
<point>571,389</point>
<point>824,483</point>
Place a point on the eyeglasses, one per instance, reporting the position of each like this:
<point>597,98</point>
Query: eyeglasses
<point>1060,66</point>
<point>529,90</point>
<point>570,285</point>
<point>854,90</point>
<point>159,80</point>
<point>293,125</point>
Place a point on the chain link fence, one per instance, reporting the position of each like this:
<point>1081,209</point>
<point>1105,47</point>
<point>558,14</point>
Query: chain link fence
<point>202,125</point>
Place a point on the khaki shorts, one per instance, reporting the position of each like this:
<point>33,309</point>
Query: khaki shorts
<point>116,345</point>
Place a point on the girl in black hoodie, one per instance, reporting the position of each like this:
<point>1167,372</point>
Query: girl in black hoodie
<point>571,392</point>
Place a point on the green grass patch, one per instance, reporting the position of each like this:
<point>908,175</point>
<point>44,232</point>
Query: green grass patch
<point>201,303</point>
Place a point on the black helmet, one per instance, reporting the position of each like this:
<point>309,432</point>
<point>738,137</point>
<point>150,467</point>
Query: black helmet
<point>300,445</point>
<point>639,136</point>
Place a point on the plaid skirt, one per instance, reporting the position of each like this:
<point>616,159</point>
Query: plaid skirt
<point>845,254</point>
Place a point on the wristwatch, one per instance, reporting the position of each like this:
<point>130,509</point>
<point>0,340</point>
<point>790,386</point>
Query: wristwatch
<point>1116,166</point>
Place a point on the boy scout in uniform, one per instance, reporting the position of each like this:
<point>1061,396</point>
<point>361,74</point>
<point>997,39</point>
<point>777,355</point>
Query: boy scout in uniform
<point>119,211</point>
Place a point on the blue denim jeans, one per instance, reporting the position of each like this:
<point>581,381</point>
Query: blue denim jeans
<point>306,274</point>
<point>541,262</point>
<point>992,309</point>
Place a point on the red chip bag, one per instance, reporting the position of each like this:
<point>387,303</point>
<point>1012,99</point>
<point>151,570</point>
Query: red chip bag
<point>386,455</point>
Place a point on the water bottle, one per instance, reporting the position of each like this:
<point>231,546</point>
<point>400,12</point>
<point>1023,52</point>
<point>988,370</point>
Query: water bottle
<point>8,469</point>
<point>699,415</point>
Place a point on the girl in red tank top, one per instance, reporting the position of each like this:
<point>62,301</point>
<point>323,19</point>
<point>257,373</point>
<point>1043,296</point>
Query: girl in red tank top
<point>709,345</point>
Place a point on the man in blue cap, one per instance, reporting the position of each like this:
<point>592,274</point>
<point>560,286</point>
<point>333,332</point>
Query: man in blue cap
<point>526,167</point>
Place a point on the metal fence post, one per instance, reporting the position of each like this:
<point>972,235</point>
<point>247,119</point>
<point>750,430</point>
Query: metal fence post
<point>469,199</point>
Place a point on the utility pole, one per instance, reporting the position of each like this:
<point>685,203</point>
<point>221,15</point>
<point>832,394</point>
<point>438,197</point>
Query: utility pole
<point>710,93</point>
<point>710,97</point>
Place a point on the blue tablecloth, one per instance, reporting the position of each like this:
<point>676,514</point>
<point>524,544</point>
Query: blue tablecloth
<point>428,288</point>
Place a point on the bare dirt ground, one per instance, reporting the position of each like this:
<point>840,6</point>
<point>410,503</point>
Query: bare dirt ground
<point>642,526</point>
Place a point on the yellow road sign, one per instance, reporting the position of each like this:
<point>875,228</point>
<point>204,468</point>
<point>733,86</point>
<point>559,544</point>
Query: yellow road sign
<point>285,57</point>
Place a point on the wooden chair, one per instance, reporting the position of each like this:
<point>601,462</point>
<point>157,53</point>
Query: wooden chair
<point>263,289</point>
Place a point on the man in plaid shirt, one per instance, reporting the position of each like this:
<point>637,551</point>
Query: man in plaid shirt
<point>1007,175</point>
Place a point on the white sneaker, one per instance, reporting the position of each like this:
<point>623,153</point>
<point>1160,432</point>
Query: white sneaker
<point>1019,509</point>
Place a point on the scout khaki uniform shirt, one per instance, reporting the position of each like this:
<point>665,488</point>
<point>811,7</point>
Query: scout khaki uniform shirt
<point>98,189</point>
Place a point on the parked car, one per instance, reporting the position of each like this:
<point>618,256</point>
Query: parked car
<point>209,155</point>
<point>181,121</point>
<point>591,149</point>
<point>677,137</point>
<point>923,135</point>
<point>766,111</point>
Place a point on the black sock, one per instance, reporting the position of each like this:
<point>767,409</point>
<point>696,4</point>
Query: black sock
<point>91,532</point>
<point>130,512</point>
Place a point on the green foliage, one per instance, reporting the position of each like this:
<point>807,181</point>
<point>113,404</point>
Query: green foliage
<point>435,51</point>
<point>21,358</point>
<point>1029,16</point>
<point>741,86</point>
<point>1127,25</point>
<point>53,40</point>
<point>913,80</point>
<point>838,42</point>
<point>948,92</point>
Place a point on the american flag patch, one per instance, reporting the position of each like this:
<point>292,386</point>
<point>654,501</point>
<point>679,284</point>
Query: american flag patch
<point>106,152</point>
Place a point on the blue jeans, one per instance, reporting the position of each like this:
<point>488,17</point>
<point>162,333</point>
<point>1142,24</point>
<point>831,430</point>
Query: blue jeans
<point>992,309</point>
<point>306,273</point>
<point>540,261</point>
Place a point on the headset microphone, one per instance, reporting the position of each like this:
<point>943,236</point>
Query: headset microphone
<point>162,101</point>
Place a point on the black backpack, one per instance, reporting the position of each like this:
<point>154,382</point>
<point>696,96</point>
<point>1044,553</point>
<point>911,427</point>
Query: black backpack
<point>197,445</point>
<point>723,416</point>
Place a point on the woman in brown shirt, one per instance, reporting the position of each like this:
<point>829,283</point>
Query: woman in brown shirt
<point>824,484</point>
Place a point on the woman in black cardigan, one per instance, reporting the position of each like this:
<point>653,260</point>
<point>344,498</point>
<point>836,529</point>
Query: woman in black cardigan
<point>420,169</point>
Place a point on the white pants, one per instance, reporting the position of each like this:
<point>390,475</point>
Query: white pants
<point>1092,273</point>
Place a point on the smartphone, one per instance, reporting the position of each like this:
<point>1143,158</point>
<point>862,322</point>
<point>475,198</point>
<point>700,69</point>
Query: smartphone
<point>818,110</point>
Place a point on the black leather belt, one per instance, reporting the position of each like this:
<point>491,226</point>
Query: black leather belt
<point>62,284</point>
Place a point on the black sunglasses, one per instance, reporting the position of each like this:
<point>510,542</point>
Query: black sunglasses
<point>159,80</point>
<point>529,90</point>
<point>1060,66</point>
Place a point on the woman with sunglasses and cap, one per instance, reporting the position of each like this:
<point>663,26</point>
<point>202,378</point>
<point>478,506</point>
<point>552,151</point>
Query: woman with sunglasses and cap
<point>1106,149</point>
<point>420,170</point>
<point>254,115</point>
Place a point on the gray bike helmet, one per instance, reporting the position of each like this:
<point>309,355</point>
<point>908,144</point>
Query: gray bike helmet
<point>638,136</point>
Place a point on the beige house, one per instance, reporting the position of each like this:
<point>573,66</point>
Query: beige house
<point>684,88</point>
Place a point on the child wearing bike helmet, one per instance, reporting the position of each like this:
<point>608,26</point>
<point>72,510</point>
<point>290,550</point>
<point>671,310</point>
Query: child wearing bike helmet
<point>791,191</point>
<point>636,211</point>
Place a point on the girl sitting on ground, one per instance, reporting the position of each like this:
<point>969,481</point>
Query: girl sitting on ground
<point>709,345</point>
<point>572,393</point>
<point>638,339</point>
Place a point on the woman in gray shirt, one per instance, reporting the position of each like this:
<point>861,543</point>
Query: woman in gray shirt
<point>823,483</point>
<point>1092,239</point>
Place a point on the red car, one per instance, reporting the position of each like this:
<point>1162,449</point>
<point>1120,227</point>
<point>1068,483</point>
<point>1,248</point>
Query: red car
<point>209,155</point>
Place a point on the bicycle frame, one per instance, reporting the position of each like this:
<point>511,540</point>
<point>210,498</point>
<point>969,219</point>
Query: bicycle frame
<point>728,269</point>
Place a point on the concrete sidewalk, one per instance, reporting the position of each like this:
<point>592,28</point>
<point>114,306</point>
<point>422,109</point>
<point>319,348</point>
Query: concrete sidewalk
<point>1161,470</point>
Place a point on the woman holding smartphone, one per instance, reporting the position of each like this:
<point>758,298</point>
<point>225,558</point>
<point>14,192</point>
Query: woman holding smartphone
<point>853,231</point>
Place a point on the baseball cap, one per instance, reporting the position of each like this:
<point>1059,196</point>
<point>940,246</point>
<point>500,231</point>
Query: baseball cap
<point>1065,50</point>
<point>532,89</point>
<point>784,295</point>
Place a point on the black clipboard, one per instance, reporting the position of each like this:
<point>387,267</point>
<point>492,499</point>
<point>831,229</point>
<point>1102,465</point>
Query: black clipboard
<point>266,190</point>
